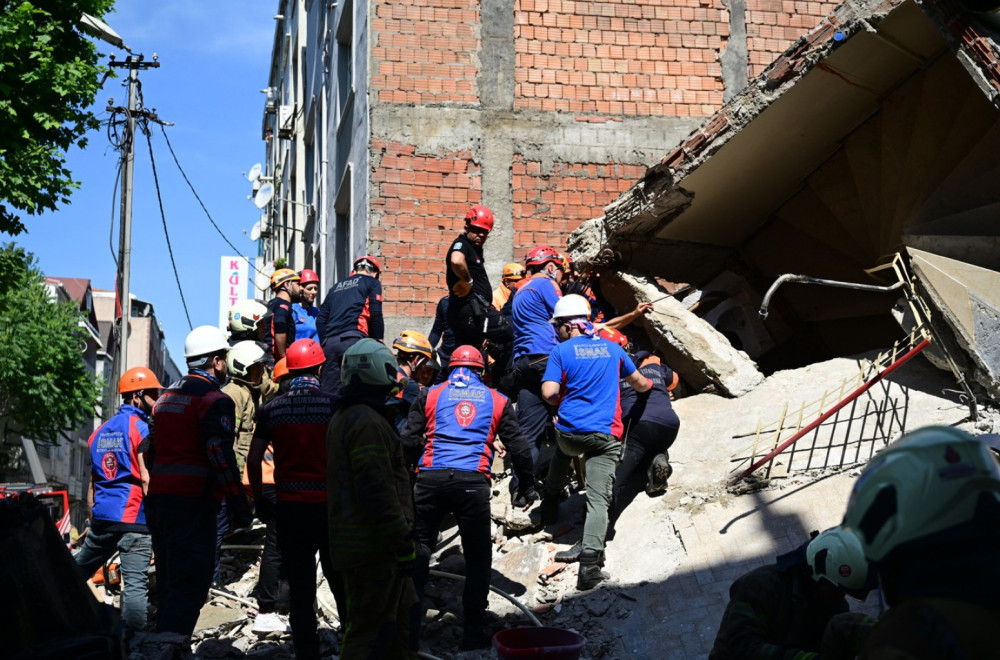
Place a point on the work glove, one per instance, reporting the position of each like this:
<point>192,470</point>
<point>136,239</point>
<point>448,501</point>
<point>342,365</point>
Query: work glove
<point>526,496</point>
<point>239,513</point>
<point>264,509</point>
<point>462,288</point>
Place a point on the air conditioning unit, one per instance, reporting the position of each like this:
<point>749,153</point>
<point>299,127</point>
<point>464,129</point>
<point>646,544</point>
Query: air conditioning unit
<point>286,121</point>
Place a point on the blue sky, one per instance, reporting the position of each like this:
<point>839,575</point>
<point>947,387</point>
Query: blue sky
<point>214,59</point>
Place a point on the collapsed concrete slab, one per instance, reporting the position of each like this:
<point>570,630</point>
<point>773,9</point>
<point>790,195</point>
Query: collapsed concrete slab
<point>693,348</point>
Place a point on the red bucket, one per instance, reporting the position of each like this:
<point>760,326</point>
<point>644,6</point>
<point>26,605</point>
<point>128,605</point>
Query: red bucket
<point>549,643</point>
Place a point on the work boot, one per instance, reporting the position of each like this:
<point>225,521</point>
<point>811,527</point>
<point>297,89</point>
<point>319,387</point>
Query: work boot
<point>475,637</point>
<point>658,474</point>
<point>571,555</point>
<point>590,574</point>
<point>549,510</point>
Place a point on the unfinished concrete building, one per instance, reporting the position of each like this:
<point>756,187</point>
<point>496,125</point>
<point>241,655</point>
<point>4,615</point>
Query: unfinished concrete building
<point>876,133</point>
<point>400,115</point>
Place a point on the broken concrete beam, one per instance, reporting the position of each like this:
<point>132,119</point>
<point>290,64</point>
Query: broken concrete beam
<point>698,352</point>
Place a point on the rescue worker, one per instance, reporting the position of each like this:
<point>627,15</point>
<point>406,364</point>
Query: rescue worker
<point>581,378</point>
<point>193,468</point>
<point>306,310</point>
<point>294,424</point>
<point>371,509</point>
<point>412,351</point>
<point>456,425</point>
<point>281,375</point>
<point>471,316</point>
<point>441,336</point>
<point>351,311</point>
<point>249,320</point>
<point>927,512</point>
<point>246,370</point>
<point>511,275</point>
<point>783,609</point>
<point>534,339</point>
<point>118,484</point>
<point>285,285</point>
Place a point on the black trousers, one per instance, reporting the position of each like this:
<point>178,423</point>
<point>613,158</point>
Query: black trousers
<point>473,320</point>
<point>465,495</point>
<point>270,561</point>
<point>334,349</point>
<point>302,532</point>
<point>644,441</point>
<point>534,415</point>
<point>183,531</point>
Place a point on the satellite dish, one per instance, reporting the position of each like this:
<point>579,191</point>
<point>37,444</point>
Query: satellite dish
<point>263,195</point>
<point>254,173</point>
<point>255,231</point>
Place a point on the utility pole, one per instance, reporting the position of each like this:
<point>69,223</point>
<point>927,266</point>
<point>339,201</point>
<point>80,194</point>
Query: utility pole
<point>133,64</point>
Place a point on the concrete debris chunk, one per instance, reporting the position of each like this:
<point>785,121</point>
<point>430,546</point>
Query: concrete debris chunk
<point>693,348</point>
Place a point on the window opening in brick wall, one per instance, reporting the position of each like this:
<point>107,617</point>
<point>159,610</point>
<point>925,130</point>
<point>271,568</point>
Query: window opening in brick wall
<point>342,231</point>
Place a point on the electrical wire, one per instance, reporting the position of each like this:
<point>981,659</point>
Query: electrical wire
<point>163,217</point>
<point>202,204</point>
<point>114,203</point>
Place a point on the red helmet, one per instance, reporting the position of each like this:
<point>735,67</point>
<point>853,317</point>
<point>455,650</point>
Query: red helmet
<point>479,216</point>
<point>542,255</point>
<point>304,353</point>
<point>614,336</point>
<point>371,262</point>
<point>467,356</point>
<point>306,276</point>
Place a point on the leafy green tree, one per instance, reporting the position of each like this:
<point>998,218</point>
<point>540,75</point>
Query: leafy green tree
<point>46,389</point>
<point>49,76</point>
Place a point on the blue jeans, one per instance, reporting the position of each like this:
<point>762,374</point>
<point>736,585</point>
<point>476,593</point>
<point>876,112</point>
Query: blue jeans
<point>136,549</point>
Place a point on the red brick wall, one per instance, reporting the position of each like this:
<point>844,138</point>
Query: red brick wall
<point>549,204</point>
<point>774,25</point>
<point>422,199</point>
<point>638,58</point>
<point>424,51</point>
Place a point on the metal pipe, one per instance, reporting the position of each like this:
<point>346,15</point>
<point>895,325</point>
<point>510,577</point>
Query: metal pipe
<point>244,601</point>
<point>822,418</point>
<point>805,279</point>
<point>520,606</point>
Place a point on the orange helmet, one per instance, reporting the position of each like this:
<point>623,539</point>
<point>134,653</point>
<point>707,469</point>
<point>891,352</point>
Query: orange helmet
<point>283,276</point>
<point>513,272</point>
<point>480,217</point>
<point>307,276</point>
<point>467,356</point>
<point>280,369</point>
<point>614,336</point>
<point>304,353</point>
<point>138,378</point>
<point>411,341</point>
<point>566,263</point>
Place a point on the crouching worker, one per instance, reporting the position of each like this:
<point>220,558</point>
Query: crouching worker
<point>783,610</point>
<point>294,424</point>
<point>457,424</point>
<point>371,508</point>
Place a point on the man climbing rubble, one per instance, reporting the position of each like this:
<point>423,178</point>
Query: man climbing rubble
<point>456,424</point>
<point>294,424</point>
<point>118,484</point>
<point>795,607</point>
<point>351,310</point>
<point>371,508</point>
<point>581,378</point>
<point>192,468</point>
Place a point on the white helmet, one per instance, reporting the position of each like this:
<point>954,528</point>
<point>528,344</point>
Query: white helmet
<point>205,340</point>
<point>573,306</point>
<point>246,314</point>
<point>244,355</point>
<point>836,555</point>
<point>926,482</point>
<point>369,362</point>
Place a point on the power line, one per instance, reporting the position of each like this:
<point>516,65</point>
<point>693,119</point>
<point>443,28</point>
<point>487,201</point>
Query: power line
<point>202,204</point>
<point>163,217</point>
